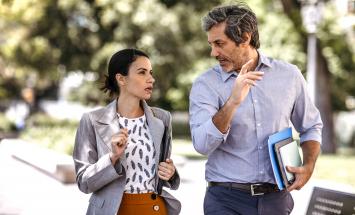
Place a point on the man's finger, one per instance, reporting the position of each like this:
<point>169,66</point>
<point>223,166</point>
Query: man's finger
<point>245,67</point>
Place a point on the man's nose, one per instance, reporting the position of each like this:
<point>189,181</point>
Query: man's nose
<point>214,52</point>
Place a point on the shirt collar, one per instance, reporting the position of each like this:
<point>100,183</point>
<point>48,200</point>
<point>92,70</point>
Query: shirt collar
<point>263,60</point>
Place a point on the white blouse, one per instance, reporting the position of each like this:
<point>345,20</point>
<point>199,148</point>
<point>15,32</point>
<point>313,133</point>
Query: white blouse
<point>140,155</point>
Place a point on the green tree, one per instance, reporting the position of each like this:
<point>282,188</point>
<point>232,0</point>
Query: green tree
<point>57,37</point>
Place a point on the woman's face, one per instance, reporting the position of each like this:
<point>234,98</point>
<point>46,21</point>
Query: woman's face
<point>139,81</point>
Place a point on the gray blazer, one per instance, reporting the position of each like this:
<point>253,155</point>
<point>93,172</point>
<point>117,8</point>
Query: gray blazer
<point>94,171</point>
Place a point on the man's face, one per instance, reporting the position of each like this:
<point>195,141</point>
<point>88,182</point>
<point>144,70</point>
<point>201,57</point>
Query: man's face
<point>230,56</point>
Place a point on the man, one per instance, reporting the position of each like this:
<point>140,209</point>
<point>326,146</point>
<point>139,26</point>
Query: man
<point>236,105</point>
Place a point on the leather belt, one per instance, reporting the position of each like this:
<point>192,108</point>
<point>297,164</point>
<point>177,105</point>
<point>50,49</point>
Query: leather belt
<point>254,189</point>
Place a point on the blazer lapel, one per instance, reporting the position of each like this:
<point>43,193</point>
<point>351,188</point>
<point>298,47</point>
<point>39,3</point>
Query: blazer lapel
<point>156,128</point>
<point>107,126</point>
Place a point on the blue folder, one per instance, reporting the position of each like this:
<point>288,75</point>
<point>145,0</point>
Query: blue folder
<point>273,139</point>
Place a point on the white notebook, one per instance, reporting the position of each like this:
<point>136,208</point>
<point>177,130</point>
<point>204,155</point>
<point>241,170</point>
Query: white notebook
<point>290,156</point>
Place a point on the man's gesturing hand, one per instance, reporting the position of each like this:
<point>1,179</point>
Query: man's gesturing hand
<point>243,82</point>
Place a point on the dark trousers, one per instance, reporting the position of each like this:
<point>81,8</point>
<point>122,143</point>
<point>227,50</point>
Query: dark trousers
<point>229,201</point>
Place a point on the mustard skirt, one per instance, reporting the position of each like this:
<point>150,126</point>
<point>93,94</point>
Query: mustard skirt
<point>145,203</point>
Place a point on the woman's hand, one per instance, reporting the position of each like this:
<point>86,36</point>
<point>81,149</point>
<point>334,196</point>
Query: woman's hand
<point>118,144</point>
<point>166,170</point>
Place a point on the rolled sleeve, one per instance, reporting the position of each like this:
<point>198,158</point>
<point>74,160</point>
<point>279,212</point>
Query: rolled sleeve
<point>305,116</point>
<point>204,104</point>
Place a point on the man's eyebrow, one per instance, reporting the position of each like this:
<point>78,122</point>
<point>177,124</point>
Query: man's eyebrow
<point>214,41</point>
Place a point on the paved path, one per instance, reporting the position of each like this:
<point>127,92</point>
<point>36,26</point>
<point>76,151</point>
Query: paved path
<point>26,191</point>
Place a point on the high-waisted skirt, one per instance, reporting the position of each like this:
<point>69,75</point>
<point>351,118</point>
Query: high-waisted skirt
<point>144,203</point>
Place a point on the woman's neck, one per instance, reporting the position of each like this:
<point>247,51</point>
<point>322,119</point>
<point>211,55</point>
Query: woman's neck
<point>129,107</point>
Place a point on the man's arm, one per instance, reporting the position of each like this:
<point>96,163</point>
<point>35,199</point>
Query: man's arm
<point>311,150</point>
<point>223,118</point>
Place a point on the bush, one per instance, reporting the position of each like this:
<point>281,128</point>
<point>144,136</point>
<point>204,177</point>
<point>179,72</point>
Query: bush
<point>51,133</point>
<point>5,124</point>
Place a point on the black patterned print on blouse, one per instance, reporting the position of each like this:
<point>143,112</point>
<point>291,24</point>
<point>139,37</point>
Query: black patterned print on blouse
<point>146,136</point>
<point>145,185</point>
<point>140,179</point>
<point>120,125</point>
<point>147,160</point>
<point>129,132</point>
<point>140,119</point>
<point>133,140</point>
<point>153,169</point>
<point>150,181</point>
<point>134,128</point>
<point>127,154</point>
<point>148,147</point>
<point>140,166</point>
<point>146,173</point>
<point>154,154</point>
<point>134,176</point>
<point>142,142</point>
<point>141,153</point>
<point>133,165</point>
<point>127,180</point>
<point>140,131</point>
<point>132,189</point>
<point>145,127</point>
<point>134,150</point>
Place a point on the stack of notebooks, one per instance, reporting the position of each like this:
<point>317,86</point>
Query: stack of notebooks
<point>283,151</point>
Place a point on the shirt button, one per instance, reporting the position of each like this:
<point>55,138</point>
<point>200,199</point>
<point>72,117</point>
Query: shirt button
<point>261,172</point>
<point>258,124</point>
<point>255,100</point>
<point>260,147</point>
<point>156,207</point>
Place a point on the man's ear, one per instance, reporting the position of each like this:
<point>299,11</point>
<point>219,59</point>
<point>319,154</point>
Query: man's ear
<point>246,37</point>
<point>121,81</point>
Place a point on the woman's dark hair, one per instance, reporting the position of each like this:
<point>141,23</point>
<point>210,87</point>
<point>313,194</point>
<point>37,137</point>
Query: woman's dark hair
<point>120,63</point>
<point>239,19</point>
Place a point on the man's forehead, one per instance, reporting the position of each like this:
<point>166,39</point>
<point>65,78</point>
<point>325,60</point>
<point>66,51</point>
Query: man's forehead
<point>216,33</point>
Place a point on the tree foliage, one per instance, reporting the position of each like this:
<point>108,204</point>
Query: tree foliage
<point>42,40</point>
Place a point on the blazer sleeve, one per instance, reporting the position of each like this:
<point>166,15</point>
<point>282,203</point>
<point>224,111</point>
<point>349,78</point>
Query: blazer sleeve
<point>174,182</point>
<point>92,172</point>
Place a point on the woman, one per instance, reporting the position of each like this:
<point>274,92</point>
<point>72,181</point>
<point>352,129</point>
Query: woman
<point>117,147</point>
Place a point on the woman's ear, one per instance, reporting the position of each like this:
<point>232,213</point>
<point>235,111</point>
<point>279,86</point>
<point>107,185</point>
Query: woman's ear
<point>121,81</point>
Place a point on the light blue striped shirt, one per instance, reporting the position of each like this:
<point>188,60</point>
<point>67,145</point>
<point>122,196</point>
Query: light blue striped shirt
<point>241,155</point>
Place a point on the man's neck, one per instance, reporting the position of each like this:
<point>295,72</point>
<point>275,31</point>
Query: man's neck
<point>255,56</point>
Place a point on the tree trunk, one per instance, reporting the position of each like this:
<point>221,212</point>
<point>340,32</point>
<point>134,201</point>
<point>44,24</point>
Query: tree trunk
<point>323,97</point>
<point>323,103</point>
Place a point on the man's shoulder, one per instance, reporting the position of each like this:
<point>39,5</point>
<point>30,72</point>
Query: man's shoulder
<point>211,74</point>
<point>282,64</point>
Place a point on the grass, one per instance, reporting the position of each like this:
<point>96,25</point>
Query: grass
<point>337,168</point>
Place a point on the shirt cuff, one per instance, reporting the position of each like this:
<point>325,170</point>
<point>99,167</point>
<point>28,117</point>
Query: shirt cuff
<point>314,135</point>
<point>213,130</point>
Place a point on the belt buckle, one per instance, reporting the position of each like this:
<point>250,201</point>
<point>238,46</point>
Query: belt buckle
<point>253,193</point>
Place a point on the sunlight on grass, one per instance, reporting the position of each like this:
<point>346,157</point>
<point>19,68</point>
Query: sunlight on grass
<point>336,168</point>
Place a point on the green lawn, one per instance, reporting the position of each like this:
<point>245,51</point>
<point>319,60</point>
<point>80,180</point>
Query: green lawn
<point>338,168</point>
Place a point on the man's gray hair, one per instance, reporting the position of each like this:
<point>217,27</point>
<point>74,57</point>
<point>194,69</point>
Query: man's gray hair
<point>239,19</point>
